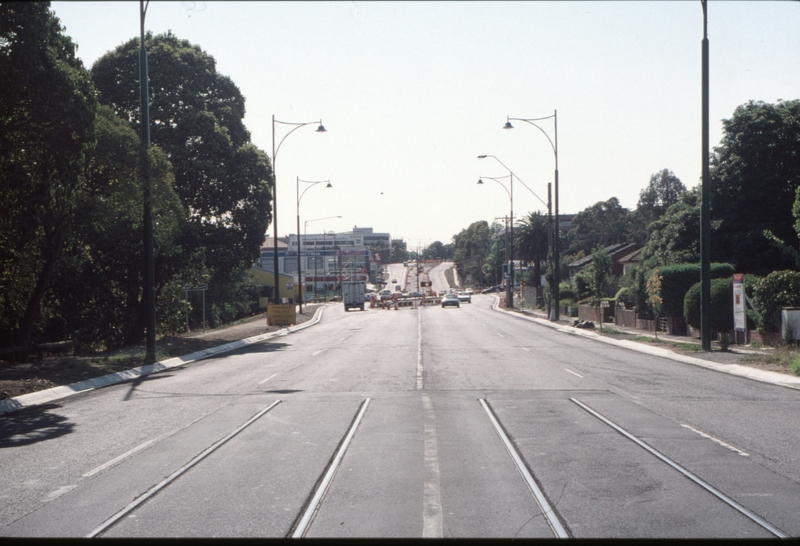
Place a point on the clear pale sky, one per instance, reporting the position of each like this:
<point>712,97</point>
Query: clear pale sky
<point>412,92</point>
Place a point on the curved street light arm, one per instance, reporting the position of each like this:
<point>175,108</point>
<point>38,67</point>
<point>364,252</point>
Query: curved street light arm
<point>313,183</point>
<point>530,121</point>
<point>320,129</point>
<point>515,176</point>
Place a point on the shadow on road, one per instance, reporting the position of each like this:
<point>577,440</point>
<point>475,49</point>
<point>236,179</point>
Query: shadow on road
<point>33,425</point>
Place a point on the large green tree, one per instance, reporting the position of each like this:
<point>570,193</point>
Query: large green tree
<point>472,245</point>
<point>664,190</point>
<point>98,292</point>
<point>223,181</point>
<point>674,238</point>
<point>47,108</point>
<point>604,223</point>
<point>755,172</point>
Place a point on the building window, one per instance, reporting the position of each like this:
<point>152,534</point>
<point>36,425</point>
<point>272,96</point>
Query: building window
<point>290,264</point>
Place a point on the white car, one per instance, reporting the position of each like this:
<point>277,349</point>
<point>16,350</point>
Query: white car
<point>465,297</point>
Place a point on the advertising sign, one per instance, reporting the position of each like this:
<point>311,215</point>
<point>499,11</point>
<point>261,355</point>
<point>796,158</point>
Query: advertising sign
<point>739,314</point>
<point>281,314</point>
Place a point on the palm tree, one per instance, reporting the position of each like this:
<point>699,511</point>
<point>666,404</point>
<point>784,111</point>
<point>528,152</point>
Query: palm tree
<point>531,242</point>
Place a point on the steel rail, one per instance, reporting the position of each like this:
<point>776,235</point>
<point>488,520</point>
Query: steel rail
<point>538,495</point>
<point>313,506</point>
<point>175,475</point>
<point>702,483</point>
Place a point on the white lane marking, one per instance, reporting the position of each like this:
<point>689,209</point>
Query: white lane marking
<point>501,335</point>
<point>717,440</point>
<point>525,349</point>
<point>318,352</point>
<point>175,475</point>
<point>705,485</point>
<point>313,506</point>
<point>267,379</point>
<point>573,373</point>
<point>115,460</point>
<point>419,350</point>
<point>431,497</point>
<point>547,511</point>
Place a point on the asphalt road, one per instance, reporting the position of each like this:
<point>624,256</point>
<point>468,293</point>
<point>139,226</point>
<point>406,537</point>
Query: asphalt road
<point>410,423</point>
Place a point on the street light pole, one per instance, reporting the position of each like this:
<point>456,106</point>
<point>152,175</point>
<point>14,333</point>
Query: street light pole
<point>554,311</point>
<point>300,282</point>
<point>705,208</point>
<point>320,129</point>
<point>509,245</point>
<point>149,292</point>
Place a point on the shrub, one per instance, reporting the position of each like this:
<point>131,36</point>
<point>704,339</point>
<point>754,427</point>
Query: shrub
<point>721,303</point>
<point>626,296</point>
<point>771,293</point>
<point>676,282</point>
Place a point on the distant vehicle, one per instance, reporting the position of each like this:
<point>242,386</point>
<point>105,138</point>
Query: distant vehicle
<point>463,296</point>
<point>405,264</point>
<point>442,292</point>
<point>398,288</point>
<point>353,294</point>
<point>386,295</point>
<point>415,294</point>
<point>450,300</point>
<point>394,281</point>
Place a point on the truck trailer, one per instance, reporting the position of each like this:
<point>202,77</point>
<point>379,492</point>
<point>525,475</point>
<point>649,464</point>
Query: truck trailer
<point>353,294</point>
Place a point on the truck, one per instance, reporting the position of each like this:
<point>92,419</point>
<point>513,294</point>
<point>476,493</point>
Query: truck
<point>353,294</point>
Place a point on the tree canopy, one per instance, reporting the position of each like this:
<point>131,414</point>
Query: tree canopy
<point>47,108</point>
<point>223,181</point>
<point>604,223</point>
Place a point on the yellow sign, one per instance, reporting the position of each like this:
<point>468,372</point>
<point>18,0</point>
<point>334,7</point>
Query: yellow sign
<point>280,314</point>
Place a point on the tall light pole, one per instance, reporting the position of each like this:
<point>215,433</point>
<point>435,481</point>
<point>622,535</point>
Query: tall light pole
<point>510,296</point>
<point>554,310</point>
<point>149,292</point>
<point>316,256</point>
<point>300,282</point>
<point>509,244</point>
<point>705,208</point>
<point>320,129</point>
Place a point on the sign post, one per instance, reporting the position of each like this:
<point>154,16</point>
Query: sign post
<point>739,313</point>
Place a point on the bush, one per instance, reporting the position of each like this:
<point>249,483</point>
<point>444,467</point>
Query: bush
<point>777,290</point>
<point>721,304</point>
<point>626,296</point>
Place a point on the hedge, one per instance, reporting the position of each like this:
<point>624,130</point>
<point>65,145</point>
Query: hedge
<point>721,303</point>
<point>678,279</point>
<point>771,293</point>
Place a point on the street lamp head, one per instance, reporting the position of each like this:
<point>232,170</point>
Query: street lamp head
<point>482,156</point>
<point>321,128</point>
<point>480,180</point>
<point>508,125</point>
<point>329,185</point>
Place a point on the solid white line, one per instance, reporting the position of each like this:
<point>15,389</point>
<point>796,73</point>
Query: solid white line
<point>115,460</point>
<point>432,526</point>
<point>573,373</point>
<point>305,521</point>
<point>538,496</point>
<point>702,483</point>
<point>419,350</point>
<point>717,440</point>
<point>267,379</point>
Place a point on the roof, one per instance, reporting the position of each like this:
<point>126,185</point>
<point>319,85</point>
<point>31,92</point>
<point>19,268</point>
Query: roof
<point>613,250</point>
<point>268,243</point>
<point>635,256</point>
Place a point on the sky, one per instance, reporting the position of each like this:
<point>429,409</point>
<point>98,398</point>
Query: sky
<point>411,93</point>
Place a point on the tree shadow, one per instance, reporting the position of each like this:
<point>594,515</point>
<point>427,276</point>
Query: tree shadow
<point>32,425</point>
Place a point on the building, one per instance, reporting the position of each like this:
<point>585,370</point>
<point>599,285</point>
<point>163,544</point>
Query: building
<point>325,259</point>
<point>617,253</point>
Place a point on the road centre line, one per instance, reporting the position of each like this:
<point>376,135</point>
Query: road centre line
<point>267,379</point>
<point>175,475</point>
<point>501,335</point>
<point>717,440</point>
<point>313,506</point>
<point>115,460</point>
<point>432,526</point>
<point>702,483</point>
<point>538,495</point>
<point>573,373</point>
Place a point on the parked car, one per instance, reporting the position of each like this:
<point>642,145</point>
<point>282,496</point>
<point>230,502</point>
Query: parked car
<point>450,300</point>
<point>465,297</point>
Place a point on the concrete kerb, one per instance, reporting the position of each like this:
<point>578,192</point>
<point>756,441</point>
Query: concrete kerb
<point>773,378</point>
<point>63,391</point>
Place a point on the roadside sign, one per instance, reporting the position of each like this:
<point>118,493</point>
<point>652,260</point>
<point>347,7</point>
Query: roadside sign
<point>739,314</point>
<point>281,314</point>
